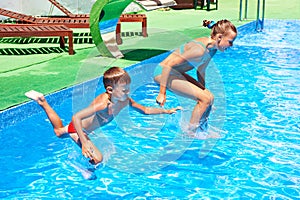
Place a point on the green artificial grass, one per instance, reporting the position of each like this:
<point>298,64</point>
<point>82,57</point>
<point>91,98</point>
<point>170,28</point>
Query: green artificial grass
<point>43,66</point>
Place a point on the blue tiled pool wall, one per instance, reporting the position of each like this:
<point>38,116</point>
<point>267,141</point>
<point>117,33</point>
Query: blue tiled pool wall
<point>20,112</point>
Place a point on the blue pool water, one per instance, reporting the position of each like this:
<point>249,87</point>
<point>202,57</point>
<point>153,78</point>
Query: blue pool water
<point>256,86</point>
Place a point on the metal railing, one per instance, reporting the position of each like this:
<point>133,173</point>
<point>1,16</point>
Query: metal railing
<point>259,21</point>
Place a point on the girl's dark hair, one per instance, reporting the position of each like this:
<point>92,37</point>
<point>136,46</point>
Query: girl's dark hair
<point>222,26</point>
<point>115,75</point>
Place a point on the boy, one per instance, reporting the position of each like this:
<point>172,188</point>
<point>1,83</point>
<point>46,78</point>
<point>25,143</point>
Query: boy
<point>100,112</point>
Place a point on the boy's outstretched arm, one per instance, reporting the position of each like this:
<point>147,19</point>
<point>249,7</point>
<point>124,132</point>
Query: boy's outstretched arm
<point>151,110</point>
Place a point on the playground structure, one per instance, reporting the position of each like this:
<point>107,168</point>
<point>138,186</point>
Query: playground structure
<point>104,21</point>
<point>104,17</point>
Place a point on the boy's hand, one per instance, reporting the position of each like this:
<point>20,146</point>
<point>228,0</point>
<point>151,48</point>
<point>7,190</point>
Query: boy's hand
<point>173,110</point>
<point>90,151</point>
<point>87,150</point>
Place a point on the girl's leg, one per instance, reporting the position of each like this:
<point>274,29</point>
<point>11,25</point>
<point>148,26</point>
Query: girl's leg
<point>202,108</point>
<point>186,88</point>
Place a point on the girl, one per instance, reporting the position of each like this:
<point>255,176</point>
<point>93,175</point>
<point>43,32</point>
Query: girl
<point>171,72</point>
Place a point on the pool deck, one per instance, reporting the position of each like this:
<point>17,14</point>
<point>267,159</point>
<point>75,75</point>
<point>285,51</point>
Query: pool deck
<point>42,66</point>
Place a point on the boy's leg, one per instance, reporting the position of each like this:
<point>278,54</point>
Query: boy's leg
<point>58,127</point>
<point>52,115</point>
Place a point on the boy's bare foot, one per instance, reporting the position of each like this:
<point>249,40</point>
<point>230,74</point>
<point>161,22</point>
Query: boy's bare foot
<point>36,96</point>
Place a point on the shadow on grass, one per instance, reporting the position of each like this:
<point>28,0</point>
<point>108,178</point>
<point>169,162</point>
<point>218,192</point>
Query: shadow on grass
<point>79,38</point>
<point>141,54</point>
<point>30,51</point>
<point>131,34</point>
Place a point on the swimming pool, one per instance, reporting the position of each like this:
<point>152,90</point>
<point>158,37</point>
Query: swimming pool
<point>257,106</point>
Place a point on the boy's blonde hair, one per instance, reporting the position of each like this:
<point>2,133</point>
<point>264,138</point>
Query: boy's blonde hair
<point>115,75</point>
<point>221,27</point>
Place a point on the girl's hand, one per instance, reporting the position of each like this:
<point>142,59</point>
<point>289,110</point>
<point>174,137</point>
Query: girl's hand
<point>161,99</point>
